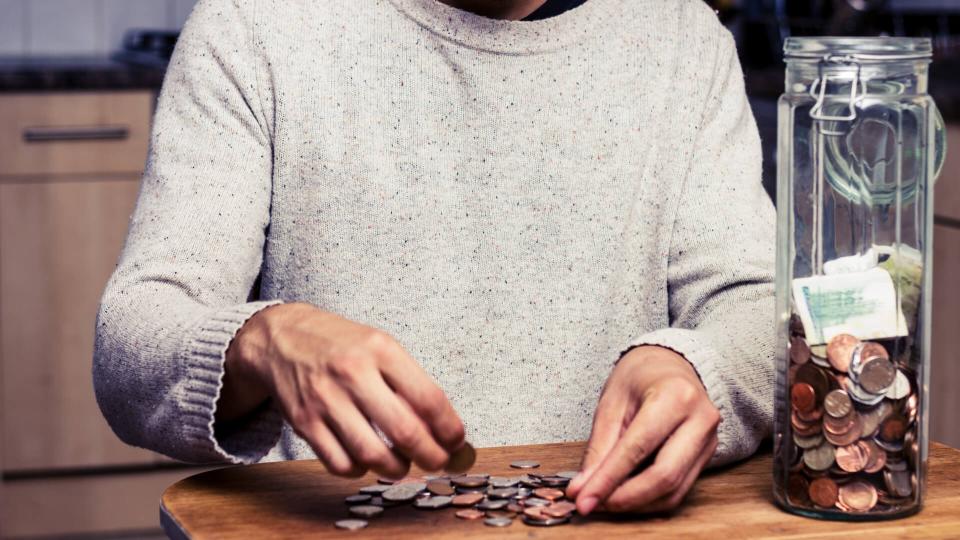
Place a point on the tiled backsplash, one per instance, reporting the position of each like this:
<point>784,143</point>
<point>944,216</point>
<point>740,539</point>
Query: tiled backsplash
<point>81,27</point>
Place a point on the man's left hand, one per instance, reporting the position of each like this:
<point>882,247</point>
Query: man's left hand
<point>652,404</point>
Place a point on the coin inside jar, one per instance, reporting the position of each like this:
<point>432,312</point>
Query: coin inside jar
<point>803,397</point>
<point>799,350</point>
<point>840,351</point>
<point>837,404</point>
<point>819,458</point>
<point>823,492</point>
<point>876,375</point>
<point>858,496</point>
<point>851,458</point>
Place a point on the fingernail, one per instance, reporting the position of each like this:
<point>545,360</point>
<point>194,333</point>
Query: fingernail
<point>587,505</point>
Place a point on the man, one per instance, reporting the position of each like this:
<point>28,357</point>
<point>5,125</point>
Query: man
<point>436,220</point>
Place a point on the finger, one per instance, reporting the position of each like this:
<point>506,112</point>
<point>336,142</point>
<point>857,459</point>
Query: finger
<point>400,424</point>
<point>673,500</point>
<point>668,472</point>
<point>328,449</point>
<point>408,379</point>
<point>657,418</point>
<point>607,424</point>
<point>359,439</point>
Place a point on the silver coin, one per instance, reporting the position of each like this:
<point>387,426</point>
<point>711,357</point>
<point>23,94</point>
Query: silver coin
<point>358,499</point>
<point>523,493</point>
<point>536,501</point>
<point>570,475</point>
<point>404,492</point>
<point>503,481</point>
<point>808,442</point>
<point>549,522</point>
<point>433,503</point>
<point>554,481</point>
<point>351,524</point>
<point>375,489</point>
<point>366,511</point>
<point>860,395</point>
<point>498,522</point>
<point>872,418</point>
<point>492,504</point>
<point>899,483</point>
<point>876,375</point>
<point>820,458</point>
<point>525,464</point>
<point>900,387</point>
<point>502,493</point>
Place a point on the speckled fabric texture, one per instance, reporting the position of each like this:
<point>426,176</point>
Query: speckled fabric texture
<point>516,202</point>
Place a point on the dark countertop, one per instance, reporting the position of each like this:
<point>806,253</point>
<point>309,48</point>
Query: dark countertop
<point>58,74</point>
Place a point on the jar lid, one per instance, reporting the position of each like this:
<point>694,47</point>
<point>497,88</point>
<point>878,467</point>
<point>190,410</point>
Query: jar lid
<point>867,49</point>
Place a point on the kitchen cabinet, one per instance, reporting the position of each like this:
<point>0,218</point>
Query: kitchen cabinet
<point>70,168</point>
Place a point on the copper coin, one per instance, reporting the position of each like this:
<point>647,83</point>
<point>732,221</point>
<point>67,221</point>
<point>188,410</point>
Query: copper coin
<point>550,494</point>
<point>840,351</point>
<point>440,487</point>
<point>804,429</point>
<point>873,350</point>
<point>839,426</point>
<point>536,512</point>
<point>798,489</point>
<point>502,514</point>
<point>799,350</point>
<point>815,377</point>
<point>467,499</point>
<point>803,397</point>
<point>811,416</point>
<point>515,507</point>
<point>851,458</point>
<point>560,509</point>
<point>850,437</point>
<point>858,496</point>
<point>876,457</point>
<point>837,404</point>
<point>462,459</point>
<point>366,511</point>
<point>469,481</point>
<point>893,429</point>
<point>796,325</point>
<point>470,513</point>
<point>823,492</point>
<point>872,418</point>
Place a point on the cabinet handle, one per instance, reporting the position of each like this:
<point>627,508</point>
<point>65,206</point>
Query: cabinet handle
<point>80,133</point>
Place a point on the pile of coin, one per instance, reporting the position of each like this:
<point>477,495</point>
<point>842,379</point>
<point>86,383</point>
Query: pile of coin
<point>853,425</point>
<point>537,500</point>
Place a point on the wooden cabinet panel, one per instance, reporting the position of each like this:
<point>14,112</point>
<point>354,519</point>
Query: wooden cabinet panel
<point>947,194</point>
<point>59,243</point>
<point>74,134</point>
<point>945,357</point>
<point>88,505</point>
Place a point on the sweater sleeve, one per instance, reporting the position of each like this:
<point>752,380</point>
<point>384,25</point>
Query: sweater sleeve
<point>721,267</point>
<point>186,278</point>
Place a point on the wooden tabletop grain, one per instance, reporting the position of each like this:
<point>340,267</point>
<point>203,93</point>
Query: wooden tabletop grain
<point>298,499</point>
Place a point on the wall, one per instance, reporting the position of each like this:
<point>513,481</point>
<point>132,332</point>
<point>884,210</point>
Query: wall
<point>81,27</point>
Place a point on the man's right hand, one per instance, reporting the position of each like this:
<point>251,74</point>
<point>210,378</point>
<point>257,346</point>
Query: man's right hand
<point>332,377</point>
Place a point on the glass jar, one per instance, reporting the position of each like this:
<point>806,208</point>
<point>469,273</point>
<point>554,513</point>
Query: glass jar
<point>860,142</point>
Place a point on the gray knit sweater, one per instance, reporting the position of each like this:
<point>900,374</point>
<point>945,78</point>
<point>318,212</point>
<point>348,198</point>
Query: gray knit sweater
<point>515,202</point>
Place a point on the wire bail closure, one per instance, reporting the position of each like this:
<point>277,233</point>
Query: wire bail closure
<point>818,91</point>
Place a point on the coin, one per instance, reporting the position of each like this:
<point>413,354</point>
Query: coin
<point>808,442</point>
<point>524,464</point>
<point>375,489</point>
<point>876,375</point>
<point>535,512</point>
<point>351,524</point>
<point>900,387</point>
<point>470,513</point>
<point>559,509</point>
<point>872,418</point>
<point>873,350</point>
<point>535,501</point>
<point>467,499</point>
<point>876,457</point>
<point>819,458</point>
<point>546,522</point>
<point>837,404</point>
<point>462,459</point>
<point>433,503</point>
<point>815,377</point>
<point>550,494</point>
<point>498,522</point>
<point>570,475</point>
<point>469,481</point>
<point>851,436</point>
<point>851,458</point>
<point>893,429</point>
<point>366,511</point>
<point>899,483</point>
<point>503,482</point>
<point>840,351</point>
<point>860,395</point>
<point>799,350</point>
<point>440,487</point>
<point>492,504</point>
<point>803,397</point>
<point>797,489</point>
<point>403,492</point>
<point>358,499</point>
<point>514,507</point>
<point>554,481</point>
<point>823,492</point>
<point>501,493</point>
<point>386,481</point>
<point>858,495</point>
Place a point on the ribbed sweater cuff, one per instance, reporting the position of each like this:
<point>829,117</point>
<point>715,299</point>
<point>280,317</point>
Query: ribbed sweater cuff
<point>696,349</point>
<point>205,355</point>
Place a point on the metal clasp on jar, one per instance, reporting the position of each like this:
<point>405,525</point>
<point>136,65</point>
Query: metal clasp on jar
<point>818,91</point>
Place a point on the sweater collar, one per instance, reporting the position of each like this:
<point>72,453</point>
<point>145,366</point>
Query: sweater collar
<point>507,37</point>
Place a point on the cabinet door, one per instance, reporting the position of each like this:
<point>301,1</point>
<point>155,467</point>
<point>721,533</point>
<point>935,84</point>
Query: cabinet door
<point>59,243</point>
<point>945,352</point>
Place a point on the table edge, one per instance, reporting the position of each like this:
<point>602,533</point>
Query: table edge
<point>171,527</point>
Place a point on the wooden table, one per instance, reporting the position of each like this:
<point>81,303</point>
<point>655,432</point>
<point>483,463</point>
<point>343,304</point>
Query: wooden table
<point>298,499</point>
